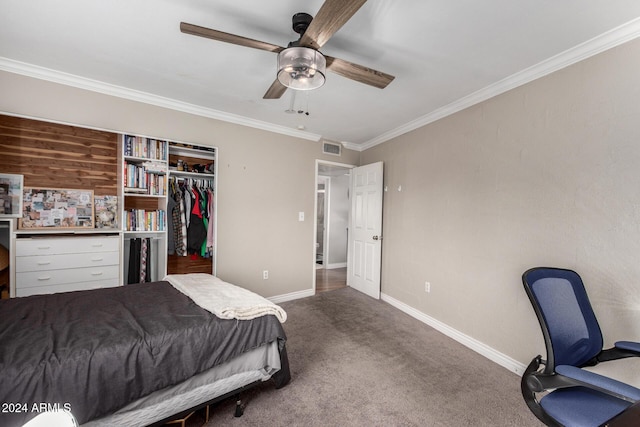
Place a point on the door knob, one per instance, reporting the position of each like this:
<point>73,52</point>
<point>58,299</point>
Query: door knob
<point>377,237</point>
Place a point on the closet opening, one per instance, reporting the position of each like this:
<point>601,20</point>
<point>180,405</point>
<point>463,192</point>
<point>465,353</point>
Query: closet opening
<point>332,206</point>
<point>192,197</point>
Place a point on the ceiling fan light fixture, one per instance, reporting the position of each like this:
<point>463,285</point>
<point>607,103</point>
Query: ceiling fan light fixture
<point>301,68</point>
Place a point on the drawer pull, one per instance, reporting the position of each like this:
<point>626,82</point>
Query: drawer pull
<point>44,262</point>
<point>42,278</point>
<point>97,259</point>
<point>97,245</point>
<point>97,273</point>
<point>44,247</point>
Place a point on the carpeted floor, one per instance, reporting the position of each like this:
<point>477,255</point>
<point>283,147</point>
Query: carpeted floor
<point>356,361</point>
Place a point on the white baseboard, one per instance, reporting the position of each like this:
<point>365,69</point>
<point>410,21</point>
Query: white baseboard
<point>475,345</point>
<point>336,265</point>
<point>293,295</point>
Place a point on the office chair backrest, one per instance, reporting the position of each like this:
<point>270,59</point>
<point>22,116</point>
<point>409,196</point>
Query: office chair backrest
<point>571,332</point>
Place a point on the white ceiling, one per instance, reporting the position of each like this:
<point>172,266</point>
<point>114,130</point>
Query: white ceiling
<point>445,55</point>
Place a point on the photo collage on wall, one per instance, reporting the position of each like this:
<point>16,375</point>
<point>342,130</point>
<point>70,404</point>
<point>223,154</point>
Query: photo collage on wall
<point>57,208</point>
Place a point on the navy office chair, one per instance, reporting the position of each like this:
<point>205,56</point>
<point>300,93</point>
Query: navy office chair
<point>561,393</point>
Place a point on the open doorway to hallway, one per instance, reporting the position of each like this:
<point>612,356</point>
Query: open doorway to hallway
<point>331,225</point>
<point>330,279</point>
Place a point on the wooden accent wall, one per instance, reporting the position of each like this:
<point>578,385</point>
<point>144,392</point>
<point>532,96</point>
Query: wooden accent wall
<point>173,159</point>
<point>182,265</point>
<point>51,155</point>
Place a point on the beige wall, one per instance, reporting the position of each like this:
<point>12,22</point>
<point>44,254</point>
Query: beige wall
<point>547,174</point>
<point>264,178</point>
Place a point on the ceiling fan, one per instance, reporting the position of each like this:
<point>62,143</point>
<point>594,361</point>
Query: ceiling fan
<point>300,65</point>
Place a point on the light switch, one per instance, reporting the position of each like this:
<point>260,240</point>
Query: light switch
<point>300,216</point>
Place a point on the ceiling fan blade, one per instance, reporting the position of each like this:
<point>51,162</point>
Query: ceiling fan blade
<point>330,18</point>
<point>275,91</point>
<point>358,73</point>
<point>196,30</point>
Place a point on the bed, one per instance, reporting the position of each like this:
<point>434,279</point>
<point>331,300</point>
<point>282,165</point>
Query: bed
<point>135,355</point>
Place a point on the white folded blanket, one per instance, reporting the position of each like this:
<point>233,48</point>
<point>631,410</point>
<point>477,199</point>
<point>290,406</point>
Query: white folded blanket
<point>223,299</point>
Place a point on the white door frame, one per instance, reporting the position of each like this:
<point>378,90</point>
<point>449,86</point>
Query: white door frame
<point>315,211</point>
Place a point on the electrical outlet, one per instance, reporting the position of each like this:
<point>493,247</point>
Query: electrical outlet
<point>265,274</point>
<point>427,287</point>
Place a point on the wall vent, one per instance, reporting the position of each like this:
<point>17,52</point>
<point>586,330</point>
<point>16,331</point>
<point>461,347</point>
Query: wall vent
<point>332,148</point>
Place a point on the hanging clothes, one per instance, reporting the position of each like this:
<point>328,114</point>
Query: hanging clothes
<point>182,246</point>
<point>134,261</point>
<point>187,196</point>
<point>204,207</point>
<point>141,266</point>
<point>196,232</point>
<point>176,229</point>
<point>171,207</point>
<point>143,259</point>
<point>210,225</point>
<point>190,209</point>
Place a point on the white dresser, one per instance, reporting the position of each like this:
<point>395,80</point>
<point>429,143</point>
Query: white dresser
<point>45,265</point>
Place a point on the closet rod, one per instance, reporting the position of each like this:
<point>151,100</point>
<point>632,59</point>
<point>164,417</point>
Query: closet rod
<point>141,237</point>
<point>184,178</point>
<point>201,183</point>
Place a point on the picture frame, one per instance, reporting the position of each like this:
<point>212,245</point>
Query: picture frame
<point>106,211</point>
<point>11,188</point>
<point>55,208</point>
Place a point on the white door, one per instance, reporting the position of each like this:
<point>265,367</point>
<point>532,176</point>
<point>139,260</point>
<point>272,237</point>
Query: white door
<point>365,232</point>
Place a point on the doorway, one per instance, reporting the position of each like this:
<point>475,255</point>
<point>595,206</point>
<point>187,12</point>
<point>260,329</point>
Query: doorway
<point>321,219</point>
<point>331,225</point>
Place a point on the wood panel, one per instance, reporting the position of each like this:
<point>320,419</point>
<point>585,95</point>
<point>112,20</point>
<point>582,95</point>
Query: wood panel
<point>146,203</point>
<point>182,265</point>
<point>51,155</point>
<point>173,160</point>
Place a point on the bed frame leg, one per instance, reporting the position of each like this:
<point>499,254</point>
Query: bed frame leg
<point>239,407</point>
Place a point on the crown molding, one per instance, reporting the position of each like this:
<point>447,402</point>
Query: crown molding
<point>596,45</point>
<point>67,79</point>
<point>605,41</point>
<point>351,146</point>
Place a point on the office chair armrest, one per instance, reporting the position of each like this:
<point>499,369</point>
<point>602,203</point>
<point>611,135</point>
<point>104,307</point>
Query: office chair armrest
<point>530,384</point>
<point>621,350</point>
<point>600,383</point>
<point>629,345</point>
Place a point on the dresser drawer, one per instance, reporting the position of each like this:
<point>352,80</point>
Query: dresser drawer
<point>31,279</point>
<point>66,245</point>
<point>81,286</point>
<point>59,262</point>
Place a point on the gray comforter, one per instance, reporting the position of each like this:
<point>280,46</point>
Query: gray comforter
<point>95,351</point>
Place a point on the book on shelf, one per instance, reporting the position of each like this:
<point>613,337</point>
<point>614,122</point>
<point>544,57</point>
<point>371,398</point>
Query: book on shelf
<point>148,148</point>
<point>143,220</point>
<point>156,167</point>
<point>135,190</point>
<point>138,179</point>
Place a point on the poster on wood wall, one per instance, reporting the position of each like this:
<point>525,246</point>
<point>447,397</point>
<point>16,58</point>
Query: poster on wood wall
<point>10,195</point>
<point>106,208</point>
<point>57,208</point>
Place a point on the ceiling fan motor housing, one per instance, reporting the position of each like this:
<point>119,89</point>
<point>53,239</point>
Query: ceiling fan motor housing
<point>301,22</point>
